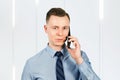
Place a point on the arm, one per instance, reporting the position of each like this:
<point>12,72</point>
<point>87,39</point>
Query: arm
<point>86,72</point>
<point>26,72</point>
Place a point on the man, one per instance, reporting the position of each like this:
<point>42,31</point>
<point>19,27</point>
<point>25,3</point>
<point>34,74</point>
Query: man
<point>72,64</point>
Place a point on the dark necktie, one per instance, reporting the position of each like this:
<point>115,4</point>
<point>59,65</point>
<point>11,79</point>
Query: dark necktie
<point>59,67</point>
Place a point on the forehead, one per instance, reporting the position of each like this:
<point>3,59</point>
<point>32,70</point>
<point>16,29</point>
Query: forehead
<point>58,21</point>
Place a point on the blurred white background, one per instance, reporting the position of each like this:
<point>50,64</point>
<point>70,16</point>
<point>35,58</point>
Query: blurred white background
<point>96,24</point>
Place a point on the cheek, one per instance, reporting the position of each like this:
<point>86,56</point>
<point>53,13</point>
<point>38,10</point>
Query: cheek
<point>51,34</point>
<point>66,33</point>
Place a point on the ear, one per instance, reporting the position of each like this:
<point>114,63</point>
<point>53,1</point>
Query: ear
<point>45,28</point>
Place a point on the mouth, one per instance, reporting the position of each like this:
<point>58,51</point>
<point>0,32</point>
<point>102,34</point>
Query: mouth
<point>60,39</point>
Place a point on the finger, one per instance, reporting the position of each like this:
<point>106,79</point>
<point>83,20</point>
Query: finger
<point>76,44</point>
<point>75,41</point>
<point>72,39</point>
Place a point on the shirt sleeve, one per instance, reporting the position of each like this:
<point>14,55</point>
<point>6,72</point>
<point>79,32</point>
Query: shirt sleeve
<point>26,72</point>
<point>86,71</point>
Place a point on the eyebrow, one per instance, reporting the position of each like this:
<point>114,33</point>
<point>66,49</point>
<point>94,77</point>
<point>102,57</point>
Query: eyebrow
<point>62,26</point>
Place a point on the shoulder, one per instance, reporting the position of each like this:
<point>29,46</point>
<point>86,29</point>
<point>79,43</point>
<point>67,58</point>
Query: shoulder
<point>37,56</point>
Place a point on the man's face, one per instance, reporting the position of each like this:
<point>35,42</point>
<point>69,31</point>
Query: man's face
<point>57,29</point>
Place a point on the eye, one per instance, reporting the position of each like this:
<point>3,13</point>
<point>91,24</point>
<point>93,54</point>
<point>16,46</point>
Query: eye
<point>65,28</point>
<point>55,27</point>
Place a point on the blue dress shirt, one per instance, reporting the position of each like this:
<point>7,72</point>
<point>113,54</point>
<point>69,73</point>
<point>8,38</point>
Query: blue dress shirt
<point>42,66</point>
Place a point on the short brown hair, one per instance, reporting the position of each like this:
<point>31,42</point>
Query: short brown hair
<point>57,12</point>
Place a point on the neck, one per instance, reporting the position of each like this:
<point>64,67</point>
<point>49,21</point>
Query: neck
<point>56,47</point>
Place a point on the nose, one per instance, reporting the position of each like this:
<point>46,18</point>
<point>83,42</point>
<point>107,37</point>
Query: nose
<point>60,32</point>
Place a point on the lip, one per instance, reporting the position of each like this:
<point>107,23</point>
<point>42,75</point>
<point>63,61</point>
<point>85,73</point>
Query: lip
<point>59,39</point>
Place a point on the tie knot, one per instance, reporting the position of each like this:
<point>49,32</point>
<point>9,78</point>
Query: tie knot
<point>59,54</point>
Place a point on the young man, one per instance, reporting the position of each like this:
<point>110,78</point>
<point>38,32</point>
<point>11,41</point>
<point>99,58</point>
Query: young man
<point>69,64</point>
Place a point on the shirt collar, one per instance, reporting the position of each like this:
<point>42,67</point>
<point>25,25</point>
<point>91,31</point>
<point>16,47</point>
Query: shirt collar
<point>52,51</point>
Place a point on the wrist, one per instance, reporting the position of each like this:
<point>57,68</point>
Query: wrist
<point>79,60</point>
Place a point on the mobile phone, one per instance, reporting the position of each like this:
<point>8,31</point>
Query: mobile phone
<point>68,43</point>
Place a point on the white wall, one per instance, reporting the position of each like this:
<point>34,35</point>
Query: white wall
<point>110,42</point>
<point>5,40</point>
<point>99,39</point>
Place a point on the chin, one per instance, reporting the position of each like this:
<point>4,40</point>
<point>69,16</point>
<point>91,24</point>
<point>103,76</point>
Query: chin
<point>60,44</point>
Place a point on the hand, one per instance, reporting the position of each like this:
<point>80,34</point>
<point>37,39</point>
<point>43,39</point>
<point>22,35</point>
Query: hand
<point>75,52</point>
